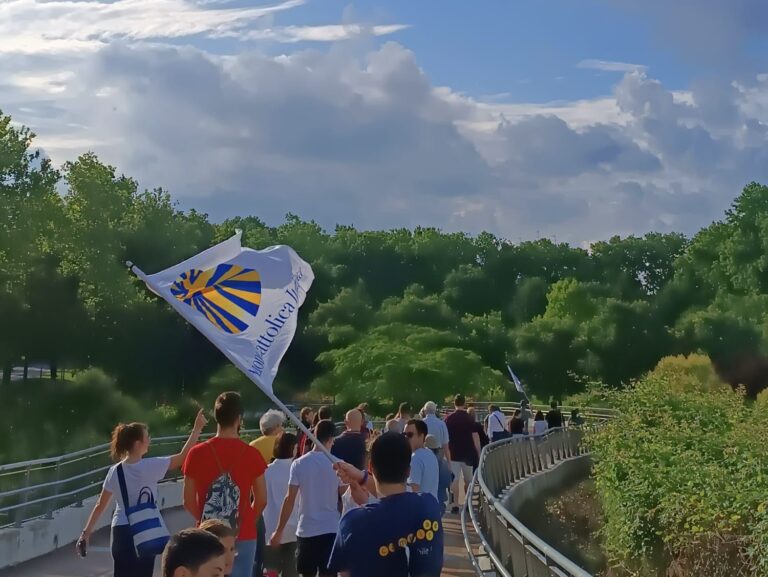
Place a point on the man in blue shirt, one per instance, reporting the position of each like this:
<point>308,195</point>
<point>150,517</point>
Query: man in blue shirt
<point>425,470</point>
<point>402,534</point>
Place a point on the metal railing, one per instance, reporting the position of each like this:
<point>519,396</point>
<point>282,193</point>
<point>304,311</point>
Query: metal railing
<point>507,548</point>
<point>35,489</point>
<point>587,413</point>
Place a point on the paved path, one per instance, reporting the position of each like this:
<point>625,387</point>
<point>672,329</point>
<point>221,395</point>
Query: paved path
<point>64,562</point>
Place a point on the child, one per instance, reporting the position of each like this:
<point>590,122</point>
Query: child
<point>193,553</point>
<point>445,475</point>
<point>226,536</point>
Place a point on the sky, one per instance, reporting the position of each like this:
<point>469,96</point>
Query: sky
<point>573,120</point>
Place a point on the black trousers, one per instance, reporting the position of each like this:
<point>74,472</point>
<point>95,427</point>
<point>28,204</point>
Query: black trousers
<point>127,563</point>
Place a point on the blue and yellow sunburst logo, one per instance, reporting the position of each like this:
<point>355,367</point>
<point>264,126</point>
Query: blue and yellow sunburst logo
<point>225,295</point>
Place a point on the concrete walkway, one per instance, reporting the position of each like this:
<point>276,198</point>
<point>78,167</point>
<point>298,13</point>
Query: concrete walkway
<point>98,563</point>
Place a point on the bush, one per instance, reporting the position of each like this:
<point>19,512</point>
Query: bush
<point>46,418</point>
<point>682,475</point>
<point>53,417</point>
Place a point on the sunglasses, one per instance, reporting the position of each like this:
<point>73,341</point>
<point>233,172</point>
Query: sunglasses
<point>409,434</point>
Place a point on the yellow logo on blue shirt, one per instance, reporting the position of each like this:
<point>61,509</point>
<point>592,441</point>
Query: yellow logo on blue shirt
<point>426,534</point>
<point>225,295</point>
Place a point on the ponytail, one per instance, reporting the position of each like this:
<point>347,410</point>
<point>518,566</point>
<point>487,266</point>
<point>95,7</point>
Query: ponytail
<point>124,437</point>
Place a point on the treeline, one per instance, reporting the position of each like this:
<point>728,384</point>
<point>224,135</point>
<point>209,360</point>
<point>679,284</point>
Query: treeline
<point>393,315</point>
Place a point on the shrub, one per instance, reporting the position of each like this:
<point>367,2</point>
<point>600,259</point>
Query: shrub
<point>682,475</point>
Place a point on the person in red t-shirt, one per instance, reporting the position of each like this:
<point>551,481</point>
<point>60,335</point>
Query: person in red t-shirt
<point>216,470</point>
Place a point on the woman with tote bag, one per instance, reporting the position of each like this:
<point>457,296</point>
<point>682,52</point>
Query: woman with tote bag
<point>138,531</point>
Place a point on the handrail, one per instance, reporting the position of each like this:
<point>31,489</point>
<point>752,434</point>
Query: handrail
<point>491,520</point>
<point>483,541</point>
<point>37,487</point>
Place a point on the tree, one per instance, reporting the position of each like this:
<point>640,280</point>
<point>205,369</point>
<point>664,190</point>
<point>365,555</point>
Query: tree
<point>546,357</point>
<point>637,267</point>
<point>527,302</point>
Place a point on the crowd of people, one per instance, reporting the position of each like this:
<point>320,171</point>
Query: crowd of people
<point>360,503</point>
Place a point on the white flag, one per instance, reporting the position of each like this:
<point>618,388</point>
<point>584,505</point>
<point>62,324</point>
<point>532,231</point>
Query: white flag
<point>518,384</point>
<point>244,301</point>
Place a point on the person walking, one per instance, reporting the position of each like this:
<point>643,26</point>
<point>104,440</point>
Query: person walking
<point>307,416</point>
<point>403,416</point>
<point>401,535</point>
<point>554,416</point>
<point>516,425</point>
<point>576,419</point>
<point>437,428</point>
<point>193,553</point>
<point>227,536</point>
<point>497,422</point>
<point>282,558</point>
<point>424,476</point>
<point>539,424</point>
<point>271,426</point>
<point>128,446</point>
<point>350,445</point>
<point>464,446</point>
<point>525,415</point>
<point>312,478</point>
<point>444,469</point>
<point>367,427</point>
<point>224,479</point>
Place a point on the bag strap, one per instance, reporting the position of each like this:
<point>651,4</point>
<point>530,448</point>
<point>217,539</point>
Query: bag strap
<point>123,487</point>
<point>232,465</point>
<point>499,420</point>
<point>216,458</point>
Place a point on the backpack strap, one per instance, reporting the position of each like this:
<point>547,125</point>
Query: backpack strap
<point>216,458</point>
<point>232,465</point>
<point>499,420</point>
<point>123,487</point>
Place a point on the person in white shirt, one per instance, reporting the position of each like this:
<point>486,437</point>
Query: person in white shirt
<point>497,423</point>
<point>283,557</point>
<point>129,445</point>
<point>437,428</point>
<point>313,478</point>
<point>539,424</point>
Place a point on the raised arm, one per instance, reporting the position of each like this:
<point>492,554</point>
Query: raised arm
<point>178,460</point>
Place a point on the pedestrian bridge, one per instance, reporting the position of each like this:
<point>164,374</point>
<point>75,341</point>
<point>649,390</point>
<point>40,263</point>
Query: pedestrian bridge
<point>45,503</point>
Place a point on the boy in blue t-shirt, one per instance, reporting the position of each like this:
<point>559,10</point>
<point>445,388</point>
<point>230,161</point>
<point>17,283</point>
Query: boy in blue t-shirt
<point>402,534</point>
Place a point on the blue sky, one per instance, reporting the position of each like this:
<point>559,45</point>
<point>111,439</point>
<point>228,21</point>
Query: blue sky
<point>522,50</point>
<point>575,119</point>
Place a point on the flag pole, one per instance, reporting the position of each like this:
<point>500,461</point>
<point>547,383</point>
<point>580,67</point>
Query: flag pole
<point>141,275</point>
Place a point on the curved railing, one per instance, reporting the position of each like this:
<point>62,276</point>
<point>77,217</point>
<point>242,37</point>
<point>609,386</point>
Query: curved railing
<point>506,546</point>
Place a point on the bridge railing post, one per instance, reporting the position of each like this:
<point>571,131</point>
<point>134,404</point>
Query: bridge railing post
<point>53,503</point>
<point>24,497</point>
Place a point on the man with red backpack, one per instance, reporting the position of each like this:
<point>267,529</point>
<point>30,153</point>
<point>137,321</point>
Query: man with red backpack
<point>224,480</point>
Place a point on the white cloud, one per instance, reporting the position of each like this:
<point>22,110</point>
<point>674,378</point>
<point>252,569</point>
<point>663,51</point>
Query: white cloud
<point>610,66</point>
<point>75,27</point>
<point>359,134</point>
<point>328,33</point>
<point>40,27</point>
